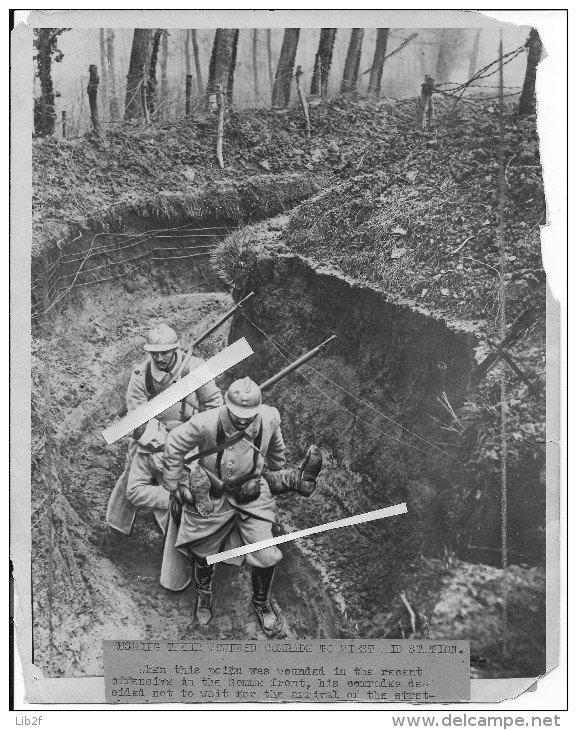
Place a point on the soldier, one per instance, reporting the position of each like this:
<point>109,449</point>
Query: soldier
<point>245,477</point>
<point>159,371</point>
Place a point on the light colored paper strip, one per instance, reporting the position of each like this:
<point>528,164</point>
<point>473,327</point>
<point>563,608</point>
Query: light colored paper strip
<point>227,358</point>
<point>378,514</point>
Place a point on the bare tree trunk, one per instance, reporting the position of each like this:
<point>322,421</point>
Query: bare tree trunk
<point>527,102</point>
<point>269,59</point>
<point>281,91</point>
<point>103,68</point>
<point>163,76</point>
<point>143,97</point>
<point>323,60</point>
<point>352,62</point>
<point>303,101</point>
<point>220,125</point>
<point>188,95</point>
<point>199,82</point>
<point>473,58</point>
<point>45,112</point>
<point>93,96</point>
<point>112,95</point>
<point>187,52</point>
<point>316,77</point>
<point>223,50</point>
<point>449,41</point>
<point>139,56</point>
<point>255,62</point>
<point>152,83</point>
<point>378,61</point>
<point>232,67</point>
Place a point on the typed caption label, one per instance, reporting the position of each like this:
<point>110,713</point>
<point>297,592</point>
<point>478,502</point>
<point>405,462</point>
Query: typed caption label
<point>340,670</point>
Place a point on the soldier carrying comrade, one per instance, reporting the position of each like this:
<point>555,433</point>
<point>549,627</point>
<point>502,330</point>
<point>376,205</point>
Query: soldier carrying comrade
<point>210,470</point>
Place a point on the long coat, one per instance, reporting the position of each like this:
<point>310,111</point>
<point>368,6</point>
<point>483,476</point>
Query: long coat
<point>142,387</point>
<point>231,524</point>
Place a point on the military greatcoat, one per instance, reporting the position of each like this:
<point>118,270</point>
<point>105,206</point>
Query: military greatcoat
<point>232,523</point>
<point>146,382</point>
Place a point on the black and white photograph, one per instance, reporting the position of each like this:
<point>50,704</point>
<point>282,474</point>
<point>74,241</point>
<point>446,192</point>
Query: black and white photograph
<point>281,277</point>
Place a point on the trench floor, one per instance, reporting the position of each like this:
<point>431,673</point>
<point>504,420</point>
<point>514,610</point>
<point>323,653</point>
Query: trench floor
<point>93,348</point>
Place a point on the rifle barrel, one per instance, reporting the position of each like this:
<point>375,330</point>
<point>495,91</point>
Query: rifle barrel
<point>208,332</point>
<point>218,323</point>
<point>295,365</point>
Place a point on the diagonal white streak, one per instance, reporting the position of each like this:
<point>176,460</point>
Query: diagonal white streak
<point>378,514</point>
<point>212,368</point>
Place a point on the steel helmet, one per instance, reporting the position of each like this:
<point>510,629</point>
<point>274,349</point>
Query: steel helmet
<point>161,339</point>
<point>243,398</point>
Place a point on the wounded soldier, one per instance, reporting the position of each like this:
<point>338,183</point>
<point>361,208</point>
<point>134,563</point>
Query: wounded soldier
<point>230,500</point>
<point>162,367</point>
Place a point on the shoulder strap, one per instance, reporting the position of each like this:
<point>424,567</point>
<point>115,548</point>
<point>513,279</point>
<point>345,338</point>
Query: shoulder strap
<point>149,382</point>
<point>220,437</point>
<point>257,443</point>
<point>184,372</point>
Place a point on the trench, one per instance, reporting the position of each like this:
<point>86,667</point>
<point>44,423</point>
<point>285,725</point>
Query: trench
<point>388,362</point>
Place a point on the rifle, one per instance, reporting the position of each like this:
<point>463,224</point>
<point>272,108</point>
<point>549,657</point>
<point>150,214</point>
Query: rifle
<point>265,386</point>
<point>203,337</point>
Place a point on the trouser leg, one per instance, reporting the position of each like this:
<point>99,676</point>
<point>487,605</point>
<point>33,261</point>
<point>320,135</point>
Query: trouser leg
<point>301,480</point>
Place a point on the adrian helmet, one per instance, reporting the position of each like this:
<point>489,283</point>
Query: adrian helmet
<point>243,398</point>
<point>161,339</point>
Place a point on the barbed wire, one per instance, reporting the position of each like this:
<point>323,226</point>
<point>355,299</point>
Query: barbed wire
<point>140,257</point>
<point>141,238</point>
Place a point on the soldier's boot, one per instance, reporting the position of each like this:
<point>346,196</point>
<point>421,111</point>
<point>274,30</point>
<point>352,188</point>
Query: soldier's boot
<point>261,583</point>
<point>202,500</point>
<point>203,575</point>
<point>309,470</point>
<point>301,480</point>
<point>199,485</point>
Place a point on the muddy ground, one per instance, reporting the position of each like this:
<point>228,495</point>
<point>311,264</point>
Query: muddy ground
<point>392,355</point>
<point>342,585</point>
<point>95,343</point>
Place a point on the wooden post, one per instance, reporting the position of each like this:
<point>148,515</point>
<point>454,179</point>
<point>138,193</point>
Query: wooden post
<point>143,98</point>
<point>64,125</point>
<point>188,94</point>
<point>92,89</point>
<point>220,125</point>
<point>426,111</point>
<point>303,101</point>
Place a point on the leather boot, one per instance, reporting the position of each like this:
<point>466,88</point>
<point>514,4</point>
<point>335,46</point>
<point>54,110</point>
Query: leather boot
<point>309,470</point>
<point>203,575</point>
<point>302,481</point>
<point>261,583</point>
<point>199,485</point>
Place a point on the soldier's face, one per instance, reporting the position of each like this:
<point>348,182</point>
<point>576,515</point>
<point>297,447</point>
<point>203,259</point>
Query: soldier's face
<point>163,360</point>
<point>240,423</point>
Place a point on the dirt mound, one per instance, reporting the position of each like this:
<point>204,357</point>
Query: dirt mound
<point>76,182</point>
